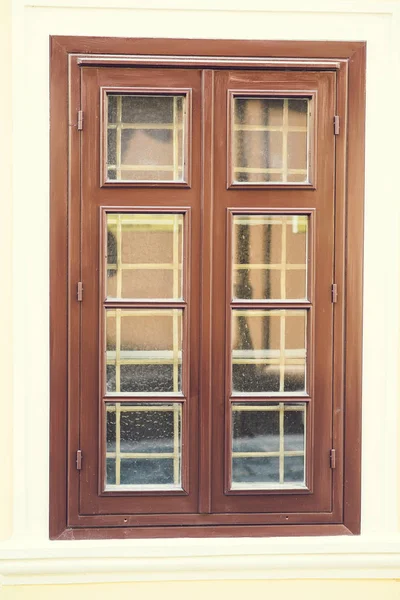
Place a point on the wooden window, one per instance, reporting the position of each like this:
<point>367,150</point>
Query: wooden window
<point>206,272</point>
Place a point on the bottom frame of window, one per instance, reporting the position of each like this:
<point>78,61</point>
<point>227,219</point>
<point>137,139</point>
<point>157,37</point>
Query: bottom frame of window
<point>204,525</point>
<point>197,531</point>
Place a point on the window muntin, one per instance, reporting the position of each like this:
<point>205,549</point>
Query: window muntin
<point>144,350</point>
<point>268,350</point>
<point>271,140</point>
<point>146,137</point>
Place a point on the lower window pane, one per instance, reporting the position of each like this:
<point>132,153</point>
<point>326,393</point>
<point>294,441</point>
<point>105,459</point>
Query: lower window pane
<point>144,446</point>
<point>268,445</point>
<point>141,471</point>
<point>141,378</point>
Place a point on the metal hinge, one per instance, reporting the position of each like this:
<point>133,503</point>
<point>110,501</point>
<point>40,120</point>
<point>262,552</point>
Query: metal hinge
<point>79,459</point>
<point>80,120</point>
<point>332,457</point>
<point>334,293</point>
<point>79,291</point>
<point>336,125</point>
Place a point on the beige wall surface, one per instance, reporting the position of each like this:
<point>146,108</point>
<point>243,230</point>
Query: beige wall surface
<point>366,567</point>
<point>213,590</point>
<point>6,277</point>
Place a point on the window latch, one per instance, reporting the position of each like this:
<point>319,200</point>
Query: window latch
<point>80,120</point>
<point>336,125</point>
<point>334,292</point>
<point>79,460</point>
<point>79,291</point>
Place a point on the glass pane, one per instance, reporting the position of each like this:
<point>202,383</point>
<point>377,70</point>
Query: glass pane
<point>269,255</point>
<point>144,256</point>
<point>268,445</point>
<point>144,351</point>
<point>269,351</point>
<point>145,138</point>
<point>143,445</point>
<point>270,140</point>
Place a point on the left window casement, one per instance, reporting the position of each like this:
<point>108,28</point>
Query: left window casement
<point>140,313</point>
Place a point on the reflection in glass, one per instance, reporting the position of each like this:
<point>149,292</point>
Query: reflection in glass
<point>269,351</point>
<point>143,445</point>
<point>144,255</point>
<point>145,137</point>
<point>144,350</point>
<point>268,445</point>
<point>269,256</point>
<point>270,140</point>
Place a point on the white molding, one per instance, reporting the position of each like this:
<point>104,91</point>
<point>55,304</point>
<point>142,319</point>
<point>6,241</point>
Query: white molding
<point>39,571</point>
<point>105,561</point>
<point>293,6</point>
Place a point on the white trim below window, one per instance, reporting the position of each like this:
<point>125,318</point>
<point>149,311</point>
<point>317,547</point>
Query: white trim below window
<point>106,561</point>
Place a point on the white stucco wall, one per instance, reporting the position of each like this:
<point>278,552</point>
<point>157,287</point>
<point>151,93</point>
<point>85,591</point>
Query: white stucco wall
<point>24,250</point>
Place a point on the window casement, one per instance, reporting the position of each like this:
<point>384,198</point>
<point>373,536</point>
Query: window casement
<point>206,259</point>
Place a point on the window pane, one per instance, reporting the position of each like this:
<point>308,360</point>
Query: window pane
<point>144,256</point>
<point>145,138</point>
<point>144,350</point>
<point>143,445</point>
<point>270,140</point>
<point>269,351</point>
<point>269,254</point>
<point>268,445</point>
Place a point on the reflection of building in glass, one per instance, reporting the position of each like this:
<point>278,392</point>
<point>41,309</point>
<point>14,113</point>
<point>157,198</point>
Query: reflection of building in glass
<point>143,445</point>
<point>269,262</point>
<point>270,140</point>
<point>145,138</point>
<point>268,444</point>
<point>144,347</point>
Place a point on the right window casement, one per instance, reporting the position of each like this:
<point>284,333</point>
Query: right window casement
<point>206,369</point>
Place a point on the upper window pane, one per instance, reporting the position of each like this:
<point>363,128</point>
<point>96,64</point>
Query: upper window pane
<point>145,137</point>
<point>270,140</point>
<point>144,256</point>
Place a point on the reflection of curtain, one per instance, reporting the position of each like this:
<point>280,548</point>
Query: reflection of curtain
<point>244,288</point>
<point>111,253</point>
<point>250,146</point>
<point>241,158</point>
<point>267,279</point>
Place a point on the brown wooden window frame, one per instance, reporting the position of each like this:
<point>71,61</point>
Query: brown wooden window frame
<point>347,61</point>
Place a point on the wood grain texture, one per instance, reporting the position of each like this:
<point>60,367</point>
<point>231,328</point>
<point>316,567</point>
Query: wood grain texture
<point>200,513</point>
